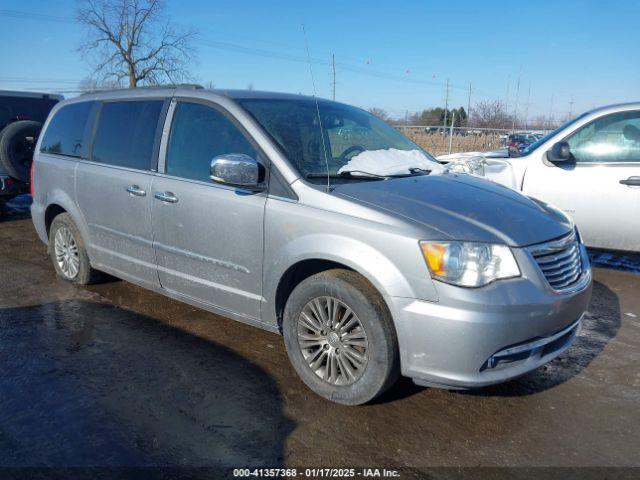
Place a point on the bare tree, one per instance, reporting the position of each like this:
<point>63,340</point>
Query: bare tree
<point>131,42</point>
<point>380,113</point>
<point>90,84</point>
<point>490,114</point>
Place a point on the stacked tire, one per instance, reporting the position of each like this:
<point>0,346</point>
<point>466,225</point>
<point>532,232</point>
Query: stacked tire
<point>17,144</point>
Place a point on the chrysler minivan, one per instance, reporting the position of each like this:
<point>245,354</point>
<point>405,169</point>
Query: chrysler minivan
<point>316,220</point>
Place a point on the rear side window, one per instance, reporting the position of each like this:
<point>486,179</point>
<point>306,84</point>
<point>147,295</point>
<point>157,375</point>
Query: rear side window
<point>65,133</point>
<point>126,133</point>
<point>198,134</point>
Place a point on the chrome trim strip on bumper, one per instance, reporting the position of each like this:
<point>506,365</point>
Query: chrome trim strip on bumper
<point>535,344</point>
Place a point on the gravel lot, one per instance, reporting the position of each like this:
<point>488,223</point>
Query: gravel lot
<point>113,375</point>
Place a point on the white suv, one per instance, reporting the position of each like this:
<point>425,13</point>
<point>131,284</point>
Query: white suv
<point>589,167</point>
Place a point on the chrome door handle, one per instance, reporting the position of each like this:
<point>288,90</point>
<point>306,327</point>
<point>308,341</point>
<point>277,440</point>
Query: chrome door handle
<point>166,197</point>
<point>631,181</point>
<point>136,191</point>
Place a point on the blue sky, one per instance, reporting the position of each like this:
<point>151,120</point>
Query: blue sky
<point>394,55</point>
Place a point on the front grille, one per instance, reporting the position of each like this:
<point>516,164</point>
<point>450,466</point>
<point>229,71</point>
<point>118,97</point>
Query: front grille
<point>559,260</point>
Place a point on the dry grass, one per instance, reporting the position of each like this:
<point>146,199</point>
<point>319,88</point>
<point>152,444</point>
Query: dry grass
<point>438,144</point>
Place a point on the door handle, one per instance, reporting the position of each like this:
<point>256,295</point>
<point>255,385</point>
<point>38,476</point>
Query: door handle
<point>136,191</point>
<point>167,197</point>
<point>631,181</point>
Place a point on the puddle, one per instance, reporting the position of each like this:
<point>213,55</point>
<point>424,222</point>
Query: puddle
<point>86,383</point>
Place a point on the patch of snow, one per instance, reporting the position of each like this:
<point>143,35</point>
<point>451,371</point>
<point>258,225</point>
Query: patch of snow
<point>390,162</point>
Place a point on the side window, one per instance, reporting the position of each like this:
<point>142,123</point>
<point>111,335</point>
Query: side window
<point>612,138</point>
<point>65,133</point>
<point>199,133</point>
<point>126,133</point>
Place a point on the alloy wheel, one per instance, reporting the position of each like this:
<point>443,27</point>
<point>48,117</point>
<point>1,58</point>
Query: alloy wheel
<point>332,340</point>
<point>66,251</point>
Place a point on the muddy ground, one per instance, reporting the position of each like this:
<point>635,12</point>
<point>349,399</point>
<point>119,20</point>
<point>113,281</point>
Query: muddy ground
<point>113,375</point>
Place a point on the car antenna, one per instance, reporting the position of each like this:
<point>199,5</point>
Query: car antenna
<point>315,97</point>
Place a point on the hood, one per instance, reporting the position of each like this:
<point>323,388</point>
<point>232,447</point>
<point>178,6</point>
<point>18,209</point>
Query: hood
<point>462,207</point>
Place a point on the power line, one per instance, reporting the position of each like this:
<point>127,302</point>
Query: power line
<point>228,46</point>
<point>35,16</point>
<point>264,53</point>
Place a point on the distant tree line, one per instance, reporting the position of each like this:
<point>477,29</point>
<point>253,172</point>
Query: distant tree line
<point>486,114</point>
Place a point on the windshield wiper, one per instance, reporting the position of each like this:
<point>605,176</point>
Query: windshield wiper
<point>362,175</point>
<point>348,175</point>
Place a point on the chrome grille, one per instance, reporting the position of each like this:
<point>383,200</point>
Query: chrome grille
<point>559,260</point>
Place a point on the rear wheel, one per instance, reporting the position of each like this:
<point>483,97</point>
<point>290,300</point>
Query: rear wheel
<point>340,337</point>
<point>68,252</point>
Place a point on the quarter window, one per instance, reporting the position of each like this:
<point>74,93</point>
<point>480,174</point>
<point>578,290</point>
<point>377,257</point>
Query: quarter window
<point>610,139</point>
<point>126,133</point>
<point>65,133</point>
<point>198,134</point>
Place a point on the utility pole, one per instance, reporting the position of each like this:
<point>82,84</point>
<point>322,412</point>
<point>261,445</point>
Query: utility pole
<point>551,114</point>
<point>446,104</point>
<point>526,111</point>
<point>453,120</point>
<point>506,100</point>
<point>515,108</point>
<point>571,107</point>
<point>469,104</point>
<point>333,64</point>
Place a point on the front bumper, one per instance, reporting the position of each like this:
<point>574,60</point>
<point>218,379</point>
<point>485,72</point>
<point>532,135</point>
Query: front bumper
<point>477,337</point>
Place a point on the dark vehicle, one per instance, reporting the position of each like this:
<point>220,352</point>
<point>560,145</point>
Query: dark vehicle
<point>21,117</point>
<point>520,140</point>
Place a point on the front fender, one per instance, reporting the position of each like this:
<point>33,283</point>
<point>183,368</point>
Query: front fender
<point>354,254</point>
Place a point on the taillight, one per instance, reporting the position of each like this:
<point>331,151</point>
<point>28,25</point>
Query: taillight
<point>31,175</point>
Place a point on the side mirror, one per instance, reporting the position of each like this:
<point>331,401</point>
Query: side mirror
<point>236,169</point>
<point>560,152</point>
<point>513,151</point>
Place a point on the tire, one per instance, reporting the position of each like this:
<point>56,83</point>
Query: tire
<point>17,144</point>
<point>69,246</point>
<point>372,337</point>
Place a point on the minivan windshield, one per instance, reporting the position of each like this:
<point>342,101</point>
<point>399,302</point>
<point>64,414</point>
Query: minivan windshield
<point>337,140</point>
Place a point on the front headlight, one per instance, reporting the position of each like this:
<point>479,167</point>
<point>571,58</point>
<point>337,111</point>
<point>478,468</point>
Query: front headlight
<point>469,264</point>
<point>472,166</point>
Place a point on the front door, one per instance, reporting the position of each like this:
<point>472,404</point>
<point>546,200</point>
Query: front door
<point>208,237</point>
<point>114,189</point>
<point>600,189</point>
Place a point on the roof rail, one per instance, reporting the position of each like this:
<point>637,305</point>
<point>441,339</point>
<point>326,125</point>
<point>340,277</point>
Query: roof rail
<point>193,86</point>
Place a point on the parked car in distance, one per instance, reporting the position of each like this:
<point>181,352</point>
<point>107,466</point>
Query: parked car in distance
<point>316,220</point>
<point>520,140</point>
<point>589,168</point>
<point>21,117</point>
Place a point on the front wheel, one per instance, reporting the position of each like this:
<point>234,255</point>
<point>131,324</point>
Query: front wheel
<point>340,337</point>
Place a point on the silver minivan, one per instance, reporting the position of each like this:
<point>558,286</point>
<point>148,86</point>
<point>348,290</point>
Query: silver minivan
<point>316,220</point>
